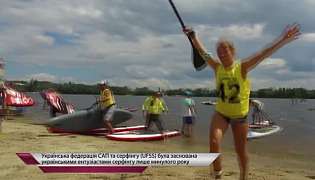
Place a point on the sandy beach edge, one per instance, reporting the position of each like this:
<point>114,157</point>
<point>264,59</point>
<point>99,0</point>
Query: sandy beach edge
<point>19,136</point>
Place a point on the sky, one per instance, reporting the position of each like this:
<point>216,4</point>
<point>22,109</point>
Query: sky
<point>139,43</point>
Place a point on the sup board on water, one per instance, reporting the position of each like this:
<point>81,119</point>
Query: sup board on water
<point>262,132</point>
<point>260,125</point>
<point>131,109</point>
<point>86,120</point>
<point>99,131</point>
<point>141,135</point>
<point>209,103</point>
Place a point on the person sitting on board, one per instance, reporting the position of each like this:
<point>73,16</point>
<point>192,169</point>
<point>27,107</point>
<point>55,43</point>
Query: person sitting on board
<point>257,114</point>
<point>152,109</point>
<point>189,114</point>
<point>107,104</point>
<point>233,89</point>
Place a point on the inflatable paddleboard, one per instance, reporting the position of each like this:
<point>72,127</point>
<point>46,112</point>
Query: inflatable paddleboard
<point>131,109</point>
<point>141,135</point>
<point>262,132</point>
<point>208,103</point>
<point>86,120</point>
<point>97,131</point>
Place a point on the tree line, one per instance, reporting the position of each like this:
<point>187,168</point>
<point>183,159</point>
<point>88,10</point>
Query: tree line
<point>76,88</point>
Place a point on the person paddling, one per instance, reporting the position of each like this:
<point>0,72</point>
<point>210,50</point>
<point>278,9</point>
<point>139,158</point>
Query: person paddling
<point>233,87</point>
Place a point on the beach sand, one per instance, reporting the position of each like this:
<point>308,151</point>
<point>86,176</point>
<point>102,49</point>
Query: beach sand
<point>19,136</point>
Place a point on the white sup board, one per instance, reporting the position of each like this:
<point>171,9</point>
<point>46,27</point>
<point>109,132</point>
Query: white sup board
<point>210,103</point>
<point>141,135</point>
<point>266,131</point>
<point>98,131</point>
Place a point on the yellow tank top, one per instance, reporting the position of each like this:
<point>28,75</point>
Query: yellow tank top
<point>154,105</point>
<point>233,92</point>
<point>107,99</point>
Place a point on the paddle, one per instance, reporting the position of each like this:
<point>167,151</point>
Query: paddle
<point>198,61</point>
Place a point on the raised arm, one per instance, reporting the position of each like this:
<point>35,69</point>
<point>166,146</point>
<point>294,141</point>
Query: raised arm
<point>200,47</point>
<point>290,33</point>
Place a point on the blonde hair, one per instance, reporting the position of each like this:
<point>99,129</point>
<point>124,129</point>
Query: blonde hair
<point>226,42</point>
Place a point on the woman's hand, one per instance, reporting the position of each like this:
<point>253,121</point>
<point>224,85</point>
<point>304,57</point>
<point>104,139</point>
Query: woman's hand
<point>189,32</point>
<point>290,33</point>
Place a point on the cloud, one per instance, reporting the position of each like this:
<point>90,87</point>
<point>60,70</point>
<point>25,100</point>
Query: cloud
<point>84,11</point>
<point>244,32</point>
<point>41,77</point>
<point>156,83</point>
<point>42,40</point>
<point>233,31</point>
<point>273,63</point>
<point>48,77</point>
<point>308,37</point>
<point>140,42</point>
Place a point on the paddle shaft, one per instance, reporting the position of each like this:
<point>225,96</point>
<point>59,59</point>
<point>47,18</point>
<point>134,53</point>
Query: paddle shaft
<point>177,14</point>
<point>198,61</point>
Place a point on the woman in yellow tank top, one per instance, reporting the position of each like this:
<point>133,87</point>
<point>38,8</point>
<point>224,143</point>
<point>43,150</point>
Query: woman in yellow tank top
<point>233,89</point>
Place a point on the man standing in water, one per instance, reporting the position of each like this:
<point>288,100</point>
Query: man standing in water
<point>152,109</point>
<point>189,114</point>
<point>108,105</point>
<point>233,89</point>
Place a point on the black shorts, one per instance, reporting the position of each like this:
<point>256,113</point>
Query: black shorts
<point>188,120</point>
<point>157,121</point>
<point>233,121</point>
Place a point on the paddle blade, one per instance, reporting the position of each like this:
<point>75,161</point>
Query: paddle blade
<point>198,62</point>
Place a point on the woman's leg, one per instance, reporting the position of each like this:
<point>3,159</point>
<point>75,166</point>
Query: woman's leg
<point>148,121</point>
<point>108,118</point>
<point>159,124</point>
<point>189,127</point>
<point>183,126</point>
<point>217,129</point>
<point>240,130</point>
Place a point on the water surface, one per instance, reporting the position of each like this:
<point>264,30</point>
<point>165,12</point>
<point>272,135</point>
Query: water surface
<point>296,139</point>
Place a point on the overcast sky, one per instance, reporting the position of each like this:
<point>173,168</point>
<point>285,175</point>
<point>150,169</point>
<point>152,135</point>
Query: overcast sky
<point>139,42</point>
